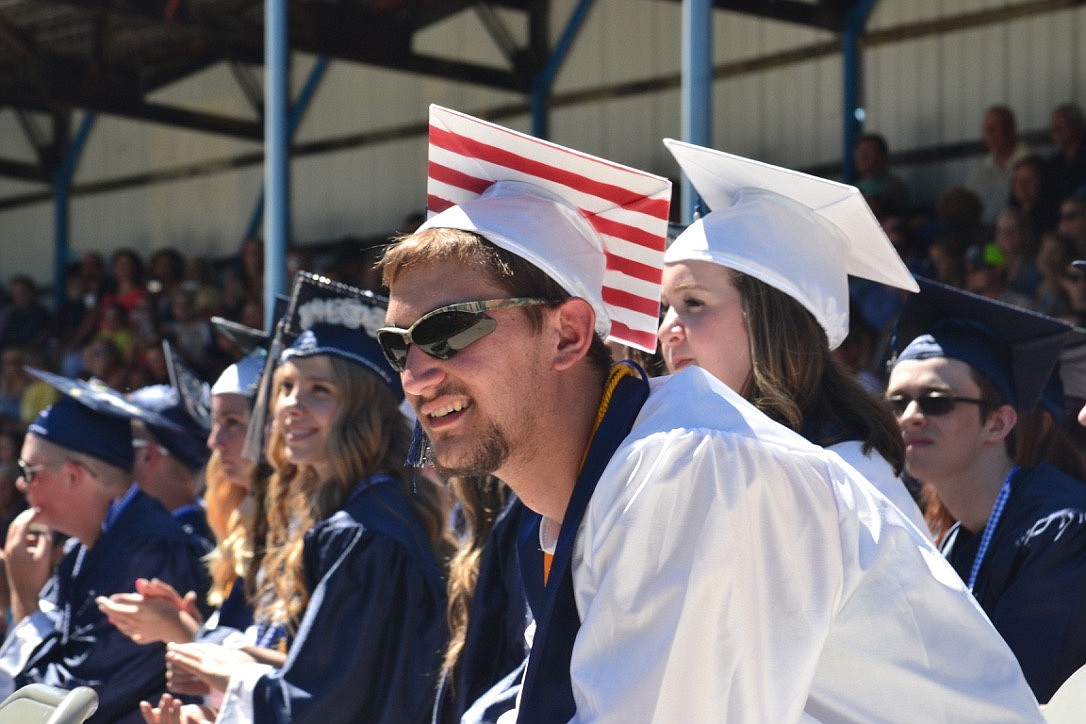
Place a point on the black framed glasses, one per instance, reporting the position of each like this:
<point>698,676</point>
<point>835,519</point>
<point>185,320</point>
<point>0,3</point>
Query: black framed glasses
<point>446,330</point>
<point>28,471</point>
<point>932,404</point>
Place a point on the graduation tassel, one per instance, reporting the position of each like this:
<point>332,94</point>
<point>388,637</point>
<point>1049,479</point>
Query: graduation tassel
<point>418,454</point>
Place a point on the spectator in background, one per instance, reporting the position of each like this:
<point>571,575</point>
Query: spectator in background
<point>1066,167</point>
<point>885,193</point>
<point>22,396</point>
<point>1017,240</point>
<point>28,320</point>
<point>92,270</point>
<point>990,178</point>
<point>1072,224</point>
<point>947,260</point>
<point>1031,194</point>
<point>102,360</point>
<point>986,275</point>
<point>11,440</point>
<point>191,333</point>
<point>128,288</point>
<point>1053,261</point>
<point>958,218</point>
<point>114,327</point>
<point>167,271</point>
<point>246,282</point>
<point>67,323</point>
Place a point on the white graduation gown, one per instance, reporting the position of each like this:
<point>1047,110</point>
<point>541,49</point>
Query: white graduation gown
<point>729,570</point>
<point>875,469</point>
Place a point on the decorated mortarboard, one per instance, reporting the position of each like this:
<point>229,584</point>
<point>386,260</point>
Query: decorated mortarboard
<point>1013,348</point>
<point>92,419</point>
<point>798,233</point>
<point>324,317</point>
<point>249,339</point>
<point>595,227</point>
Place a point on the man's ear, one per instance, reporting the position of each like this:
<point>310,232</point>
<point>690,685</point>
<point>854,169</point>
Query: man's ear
<point>575,323</point>
<point>1000,422</point>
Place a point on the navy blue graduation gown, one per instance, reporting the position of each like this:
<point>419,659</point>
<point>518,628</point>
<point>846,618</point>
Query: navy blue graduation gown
<point>84,648</point>
<point>1032,583</point>
<point>494,645</point>
<point>369,646</point>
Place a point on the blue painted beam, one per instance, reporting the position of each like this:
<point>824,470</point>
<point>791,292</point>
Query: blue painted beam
<point>544,81</point>
<point>276,147</point>
<point>697,87</point>
<point>852,83</point>
<point>62,183</point>
<point>294,120</point>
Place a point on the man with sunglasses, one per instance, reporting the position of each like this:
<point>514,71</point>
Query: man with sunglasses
<point>708,563</point>
<point>76,472</point>
<point>969,366</point>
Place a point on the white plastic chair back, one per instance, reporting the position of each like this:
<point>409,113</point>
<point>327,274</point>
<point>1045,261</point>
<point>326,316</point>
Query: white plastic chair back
<point>43,704</point>
<point>1068,704</point>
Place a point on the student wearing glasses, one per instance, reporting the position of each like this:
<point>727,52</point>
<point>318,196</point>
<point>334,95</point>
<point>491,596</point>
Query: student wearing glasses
<point>76,472</point>
<point>707,561</point>
<point>774,254</point>
<point>967,369</point>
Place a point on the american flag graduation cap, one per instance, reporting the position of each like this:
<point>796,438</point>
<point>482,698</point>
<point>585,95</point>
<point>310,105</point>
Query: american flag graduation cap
<point>595,227</point>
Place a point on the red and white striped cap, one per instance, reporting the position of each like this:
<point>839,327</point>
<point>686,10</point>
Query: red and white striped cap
<point>595,227</point>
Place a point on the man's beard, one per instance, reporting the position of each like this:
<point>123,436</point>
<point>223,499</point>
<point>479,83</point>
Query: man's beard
<point>490,452</point>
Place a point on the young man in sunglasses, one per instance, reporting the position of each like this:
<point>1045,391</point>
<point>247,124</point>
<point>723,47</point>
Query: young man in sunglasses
<point>969,368</point>
<point>707,563</point>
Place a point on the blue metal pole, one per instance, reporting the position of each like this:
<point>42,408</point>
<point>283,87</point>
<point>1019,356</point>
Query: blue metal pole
<point>276,170</point>
<point>542,84</point>
<point>851,66</point>
<point>697,86</point>
<point>294,120</point>
<point>62,183</point>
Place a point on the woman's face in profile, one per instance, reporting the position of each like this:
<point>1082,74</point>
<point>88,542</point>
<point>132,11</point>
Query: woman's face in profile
<point>704,323</point>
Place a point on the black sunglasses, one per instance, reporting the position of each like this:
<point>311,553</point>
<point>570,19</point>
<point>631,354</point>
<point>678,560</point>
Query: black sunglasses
<point>933,404</point>
<point>446,330</point>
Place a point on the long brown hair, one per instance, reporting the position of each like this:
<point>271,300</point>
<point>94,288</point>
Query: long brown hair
<point>795,380</point>
<point>480,500</point>
<point>369,435</point>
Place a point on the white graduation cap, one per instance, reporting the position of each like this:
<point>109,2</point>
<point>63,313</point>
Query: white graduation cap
<point>797,233</point>
<point>595,227</point>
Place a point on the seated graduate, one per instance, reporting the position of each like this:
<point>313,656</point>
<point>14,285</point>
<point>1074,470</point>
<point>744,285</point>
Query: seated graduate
<point>708,562</point>
<point>967,367</point>
<point>169,462</point>
<point>77,475</point>
<point>352,569</point>
<point>157,612</point>
<point>775,253</point>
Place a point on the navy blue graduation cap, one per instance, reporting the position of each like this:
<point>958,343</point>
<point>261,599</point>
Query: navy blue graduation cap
<point>323,317</point>
<point>92,419</point>
<point>184,402</point>
<point>332,318</point>
<point>1014,348</point>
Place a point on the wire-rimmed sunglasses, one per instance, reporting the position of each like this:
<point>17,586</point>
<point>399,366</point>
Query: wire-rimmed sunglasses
<point>932,403</point>
<point>28,471</point>
<point>443,332</point>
